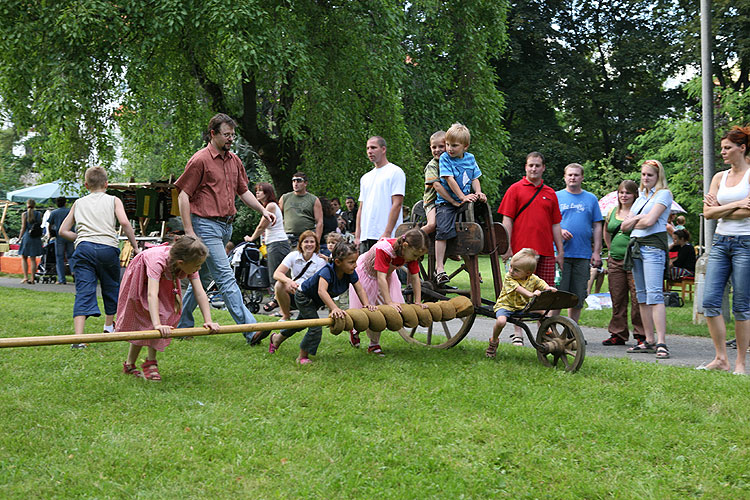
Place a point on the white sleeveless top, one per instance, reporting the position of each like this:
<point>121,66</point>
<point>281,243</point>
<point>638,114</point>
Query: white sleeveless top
<point>276,232</point>
<point>95,219</point>
<point>726,195</point>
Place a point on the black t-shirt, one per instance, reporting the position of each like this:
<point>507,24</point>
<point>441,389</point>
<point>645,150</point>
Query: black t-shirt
<point>685,257</point>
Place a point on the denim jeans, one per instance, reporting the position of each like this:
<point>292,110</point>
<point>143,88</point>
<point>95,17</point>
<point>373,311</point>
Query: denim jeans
<point>215,235</point>
<point>729,257</point>
<point>648,274</point>
<point>94,262</point>
<point>63,247</point>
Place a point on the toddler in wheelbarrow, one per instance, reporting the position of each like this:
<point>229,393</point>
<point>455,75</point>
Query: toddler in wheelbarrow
<point>519,287</point>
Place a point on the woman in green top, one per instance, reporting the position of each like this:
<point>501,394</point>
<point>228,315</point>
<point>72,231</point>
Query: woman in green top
<point>620,280</point>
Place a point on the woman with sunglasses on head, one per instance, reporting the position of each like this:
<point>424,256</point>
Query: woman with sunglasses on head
<point>729,201</point>
<point>647,254</point>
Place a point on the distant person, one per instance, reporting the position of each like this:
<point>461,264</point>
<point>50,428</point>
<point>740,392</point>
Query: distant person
<point>459,177</point>
<point>679,222</point>
<point>381,196</point>
<point>97,253</point>
<point>213,178</point>
<point>302,210</point>
<point>621,284</point>
<point>729,259</point>
<point>682,265</point>
<point>648,253</point>
<point>31,241</point>
<point>519,287</point>
<point>581,228</point>
<point>336,204</point>
<point>274,236</point>
<point>350,214</point>
<point>330,221</point>
<point>63,248</point>
<point>151,298</point>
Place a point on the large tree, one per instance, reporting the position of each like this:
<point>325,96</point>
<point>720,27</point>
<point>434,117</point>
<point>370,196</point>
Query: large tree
<point>308,81</point>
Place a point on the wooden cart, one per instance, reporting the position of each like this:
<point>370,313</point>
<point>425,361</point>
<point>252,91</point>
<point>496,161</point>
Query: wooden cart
<point>558,341</point>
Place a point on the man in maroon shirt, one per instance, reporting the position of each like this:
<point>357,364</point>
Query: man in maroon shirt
<point>208,186</point>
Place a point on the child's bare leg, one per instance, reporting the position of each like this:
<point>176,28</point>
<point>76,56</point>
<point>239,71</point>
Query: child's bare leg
<point>373,336</point>
<point>498,328</point>
<point>133,353</point>
<point>440,246</point>
<point>151,356</point>
<point>109,319</point>
<point>431,225</point>
<point>79,324</point>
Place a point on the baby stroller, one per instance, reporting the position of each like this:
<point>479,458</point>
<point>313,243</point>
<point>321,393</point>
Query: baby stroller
<point>251,273</point>
<point>46,271</point>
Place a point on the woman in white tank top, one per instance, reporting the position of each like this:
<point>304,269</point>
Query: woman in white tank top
<point>729,201</point>
<point>277,243</point>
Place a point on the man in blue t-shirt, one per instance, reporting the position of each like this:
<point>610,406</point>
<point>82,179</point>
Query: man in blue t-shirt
<point>63,247</point>
<point>582,236</point>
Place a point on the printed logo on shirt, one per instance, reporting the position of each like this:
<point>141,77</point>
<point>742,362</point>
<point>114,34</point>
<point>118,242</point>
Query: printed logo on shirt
<point>578,207</point>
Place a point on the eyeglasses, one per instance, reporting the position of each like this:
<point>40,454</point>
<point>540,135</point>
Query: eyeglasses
<point>298,179</point>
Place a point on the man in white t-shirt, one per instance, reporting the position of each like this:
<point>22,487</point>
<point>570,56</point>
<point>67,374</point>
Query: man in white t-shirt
<point>381,196</point>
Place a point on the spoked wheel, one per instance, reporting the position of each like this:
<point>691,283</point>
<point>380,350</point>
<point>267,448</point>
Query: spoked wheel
<point>561,343</point>
<point>441,334</point>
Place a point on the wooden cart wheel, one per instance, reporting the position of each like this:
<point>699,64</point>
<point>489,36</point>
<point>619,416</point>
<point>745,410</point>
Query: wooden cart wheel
<point>441,334</point>
<point>561,343</point>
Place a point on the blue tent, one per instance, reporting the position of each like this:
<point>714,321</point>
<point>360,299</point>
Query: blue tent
<point>46,193</point>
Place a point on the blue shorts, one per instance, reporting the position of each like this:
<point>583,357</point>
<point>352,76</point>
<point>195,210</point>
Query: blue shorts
<point>93,262</point>
<point>445,220</point>
<point>504,312</point>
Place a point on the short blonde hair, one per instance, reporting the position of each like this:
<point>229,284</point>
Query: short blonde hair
<point>458,133</point>
<point>661,175</point>
<point>525,260</point>
<point>96,177</point>
<point>573,165</point>
<point>438,136</point>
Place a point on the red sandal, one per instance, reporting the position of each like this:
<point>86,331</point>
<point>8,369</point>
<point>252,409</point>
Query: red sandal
<point>151,370</point>
<point>130,369</point>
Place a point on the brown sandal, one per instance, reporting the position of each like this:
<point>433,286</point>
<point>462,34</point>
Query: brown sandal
<point>130,369</point>
<point>492,349</point>
<point>151,370</point>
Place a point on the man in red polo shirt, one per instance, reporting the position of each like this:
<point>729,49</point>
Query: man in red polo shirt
<point>537,225</point>
<point>208,186</point>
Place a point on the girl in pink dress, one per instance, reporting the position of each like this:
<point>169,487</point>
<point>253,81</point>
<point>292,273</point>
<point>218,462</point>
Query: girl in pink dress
<point>382,286</point>
<point>151,298</point>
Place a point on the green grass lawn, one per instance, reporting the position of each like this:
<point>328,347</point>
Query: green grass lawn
<point>230,421</point>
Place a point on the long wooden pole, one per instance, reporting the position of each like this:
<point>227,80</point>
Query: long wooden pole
<point>89,338</point>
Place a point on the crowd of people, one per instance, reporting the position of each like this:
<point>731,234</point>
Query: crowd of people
<point>317,249</point>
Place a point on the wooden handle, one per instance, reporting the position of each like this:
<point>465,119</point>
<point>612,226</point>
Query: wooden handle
<point>89,338</point>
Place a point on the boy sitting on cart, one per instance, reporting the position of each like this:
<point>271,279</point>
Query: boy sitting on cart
<point>519,287</point>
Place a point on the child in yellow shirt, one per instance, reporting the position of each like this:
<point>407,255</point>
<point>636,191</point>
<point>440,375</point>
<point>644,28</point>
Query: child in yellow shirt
<point>519,287</point>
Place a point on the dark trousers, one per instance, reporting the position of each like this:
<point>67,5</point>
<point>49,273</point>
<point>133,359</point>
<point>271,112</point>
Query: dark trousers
<point>307,310</point>
<point>365,245</point>
<point>620,286</point>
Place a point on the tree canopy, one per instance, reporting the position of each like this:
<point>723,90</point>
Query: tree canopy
<point>307,81</point>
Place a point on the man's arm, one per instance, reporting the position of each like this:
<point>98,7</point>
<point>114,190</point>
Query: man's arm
<point>397,203</point>
<point>358,226</point>
<point>251,201</point>
<point>508,223</point>
<point>596,256</point>
<point>557,237</point>
<point>183,201</point>
<point>318,214</point>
